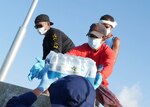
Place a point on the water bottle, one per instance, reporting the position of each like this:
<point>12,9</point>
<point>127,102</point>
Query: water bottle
<point>69,64</point>
<point>51,61</point>
<point>92,70</point>
<point>83,66</point>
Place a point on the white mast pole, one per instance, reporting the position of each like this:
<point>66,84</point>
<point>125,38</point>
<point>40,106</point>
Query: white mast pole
<point>16,43</point>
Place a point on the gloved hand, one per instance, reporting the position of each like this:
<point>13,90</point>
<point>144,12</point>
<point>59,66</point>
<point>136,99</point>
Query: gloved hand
<point>92,80</point>
<point>37,69</point>
<point>98,80</point>
<point>45,82</point>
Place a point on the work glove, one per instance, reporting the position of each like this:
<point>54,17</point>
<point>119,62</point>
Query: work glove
<point>98,80</point>
<point>37,69</point>
<point>46,81</point>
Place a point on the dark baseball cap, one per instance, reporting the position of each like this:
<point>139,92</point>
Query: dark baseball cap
<point>42,18</point>
<point>97,29</point>
<point>72,91</point>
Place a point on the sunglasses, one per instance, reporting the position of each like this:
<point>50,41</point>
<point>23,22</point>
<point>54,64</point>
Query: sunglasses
<point>38,26</point>
<point>92,36</point>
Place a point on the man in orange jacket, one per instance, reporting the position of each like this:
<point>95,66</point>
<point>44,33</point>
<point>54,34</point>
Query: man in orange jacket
<point>104,57</point>
<point>98,51</point>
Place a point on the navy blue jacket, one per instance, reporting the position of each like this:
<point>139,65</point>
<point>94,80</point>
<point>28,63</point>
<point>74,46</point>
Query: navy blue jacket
<point>24,100</point>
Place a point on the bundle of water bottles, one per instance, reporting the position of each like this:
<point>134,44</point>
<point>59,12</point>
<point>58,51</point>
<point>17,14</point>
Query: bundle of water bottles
<point>65,64</point>
<point>58,65</point>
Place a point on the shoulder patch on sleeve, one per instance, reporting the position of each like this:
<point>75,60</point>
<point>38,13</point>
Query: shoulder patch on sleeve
<point>55,38</point>
<point>56,45</point>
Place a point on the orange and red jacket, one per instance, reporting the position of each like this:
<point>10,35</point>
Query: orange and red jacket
<point>103,56</point>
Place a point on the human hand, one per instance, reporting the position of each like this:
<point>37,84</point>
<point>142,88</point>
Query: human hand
<point>37,69</point>
<point>98,80</point>
<point>46,82</point>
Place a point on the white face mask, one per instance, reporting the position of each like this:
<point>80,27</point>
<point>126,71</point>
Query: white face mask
<point>108,30</point>
<point>94,43</point>
<point>42,30</point>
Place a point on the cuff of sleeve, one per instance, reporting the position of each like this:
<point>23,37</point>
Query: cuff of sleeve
<point>28,98</point>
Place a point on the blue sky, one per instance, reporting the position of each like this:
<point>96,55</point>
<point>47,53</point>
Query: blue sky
<point>130,77</point>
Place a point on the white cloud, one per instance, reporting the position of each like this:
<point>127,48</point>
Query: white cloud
<point>130,96</point>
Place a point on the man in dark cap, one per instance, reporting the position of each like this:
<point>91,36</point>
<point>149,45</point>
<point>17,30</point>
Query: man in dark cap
<point>69,91</point>
<point>54,39</point>
<point>104,57</point>
<point>95,49</point>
